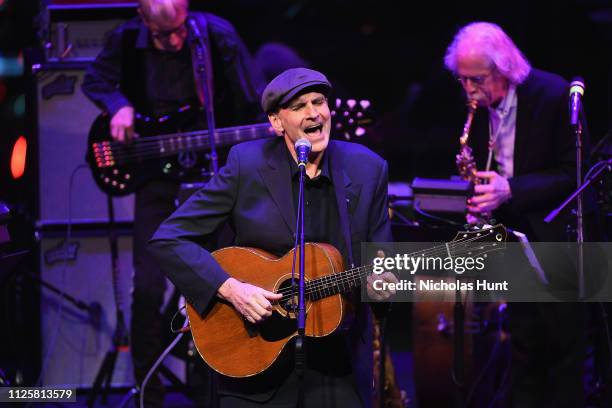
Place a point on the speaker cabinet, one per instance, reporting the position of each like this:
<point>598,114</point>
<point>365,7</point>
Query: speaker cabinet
<point>76,340</point>
<point>64,116</point>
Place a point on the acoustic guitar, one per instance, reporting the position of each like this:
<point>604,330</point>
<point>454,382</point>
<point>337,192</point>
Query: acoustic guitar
<point>236,348</point>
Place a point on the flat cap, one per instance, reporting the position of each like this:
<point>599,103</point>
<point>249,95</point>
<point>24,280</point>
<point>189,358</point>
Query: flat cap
<point>288,84</point>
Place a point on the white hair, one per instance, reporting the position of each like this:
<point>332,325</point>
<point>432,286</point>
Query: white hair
<point>162,10</point>
<point>494,44</point>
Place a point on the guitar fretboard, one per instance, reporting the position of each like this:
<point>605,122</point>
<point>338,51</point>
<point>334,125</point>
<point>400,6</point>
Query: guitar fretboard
<point>116,153</point>
<point>466,243</point>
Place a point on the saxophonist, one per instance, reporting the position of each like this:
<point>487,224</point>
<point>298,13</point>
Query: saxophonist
<point>524,150</point>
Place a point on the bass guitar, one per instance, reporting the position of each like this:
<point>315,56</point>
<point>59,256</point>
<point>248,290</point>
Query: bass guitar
<point>236,348</point>
<point>163,149</point>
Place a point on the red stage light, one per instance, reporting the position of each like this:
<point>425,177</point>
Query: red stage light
<point>18,158</point>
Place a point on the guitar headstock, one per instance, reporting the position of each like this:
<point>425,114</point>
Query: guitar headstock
<point>479,240</point>
<point>351,117</point>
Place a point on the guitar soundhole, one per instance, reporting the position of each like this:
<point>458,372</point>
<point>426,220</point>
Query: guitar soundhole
<point>289,303</point>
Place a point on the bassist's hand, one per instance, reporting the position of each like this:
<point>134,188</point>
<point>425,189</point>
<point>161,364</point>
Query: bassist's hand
<point>251,301</point>
<point>122,125</point>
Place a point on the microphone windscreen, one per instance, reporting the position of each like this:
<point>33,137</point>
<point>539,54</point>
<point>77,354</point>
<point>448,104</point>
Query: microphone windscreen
<point>577,86</point>
<point>303,143</point>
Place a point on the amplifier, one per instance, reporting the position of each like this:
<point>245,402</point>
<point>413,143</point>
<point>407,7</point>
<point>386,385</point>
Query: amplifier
<point>75,340</point>
<point>76,30</point>
<point>63,115</point>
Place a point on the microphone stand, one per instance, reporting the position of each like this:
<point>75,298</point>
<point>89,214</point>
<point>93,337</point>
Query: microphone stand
<point>579,212</point>
<point>578,196</point>
<point>458,345</point>
<point>300,352</point>
<point>579,205</point>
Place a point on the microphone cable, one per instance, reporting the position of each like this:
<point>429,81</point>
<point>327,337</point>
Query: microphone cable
<point>160,359</point>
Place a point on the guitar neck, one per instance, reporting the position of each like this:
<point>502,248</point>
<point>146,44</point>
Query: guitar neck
<point>172,144</point>
<point>342,282</point>
<point>466,243</point>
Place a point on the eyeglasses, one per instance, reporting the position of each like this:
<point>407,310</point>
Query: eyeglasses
<point>164,35</point>
<point>477,80</point>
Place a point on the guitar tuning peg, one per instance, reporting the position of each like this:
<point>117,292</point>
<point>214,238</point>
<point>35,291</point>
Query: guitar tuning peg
<point>351,103</point>
<point>365,104</point>
<point>338,102</point>
<point>360,131</point>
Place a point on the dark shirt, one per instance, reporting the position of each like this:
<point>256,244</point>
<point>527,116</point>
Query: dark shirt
<point>129,71</point>
<point>320,209</point>
<point>170,83</point>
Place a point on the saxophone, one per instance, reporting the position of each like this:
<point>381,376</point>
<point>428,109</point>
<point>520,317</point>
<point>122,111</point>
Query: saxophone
<point>465,159</point>
<point>393,396</point>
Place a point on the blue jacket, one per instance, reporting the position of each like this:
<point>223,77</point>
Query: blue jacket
<point>253,192</point>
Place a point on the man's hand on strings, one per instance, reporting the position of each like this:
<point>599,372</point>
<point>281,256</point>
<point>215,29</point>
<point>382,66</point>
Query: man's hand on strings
<point>388,277</point>
<point>252,302</point>
<point>122,125</point>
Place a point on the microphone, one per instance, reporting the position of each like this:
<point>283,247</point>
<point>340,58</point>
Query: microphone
<point>576,92</point>
<point>302,148</point>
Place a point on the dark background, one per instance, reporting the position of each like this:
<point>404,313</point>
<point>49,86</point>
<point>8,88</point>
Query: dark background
<point>387,52</point>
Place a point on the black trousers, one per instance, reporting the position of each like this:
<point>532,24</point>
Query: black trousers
<point>320,391</point>
<point>154,203</point>
<point>548,350</point>
<point>328,380</point>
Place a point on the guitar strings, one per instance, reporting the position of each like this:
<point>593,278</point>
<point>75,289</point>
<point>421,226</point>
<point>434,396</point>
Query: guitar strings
<point>148,151</point>
<point>355,273</point>
<point>149,146</point>
<point>203,132</point>
<point>351,275</point>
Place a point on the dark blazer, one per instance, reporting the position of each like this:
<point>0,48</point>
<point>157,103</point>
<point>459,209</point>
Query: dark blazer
<point>544,156</point>
<point>253,192</point>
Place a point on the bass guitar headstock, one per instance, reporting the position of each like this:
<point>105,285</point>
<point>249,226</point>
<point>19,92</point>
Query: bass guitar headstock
<point>351,117</point>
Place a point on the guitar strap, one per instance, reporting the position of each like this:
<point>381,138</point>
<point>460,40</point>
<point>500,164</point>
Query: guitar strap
<point>202,64</point>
